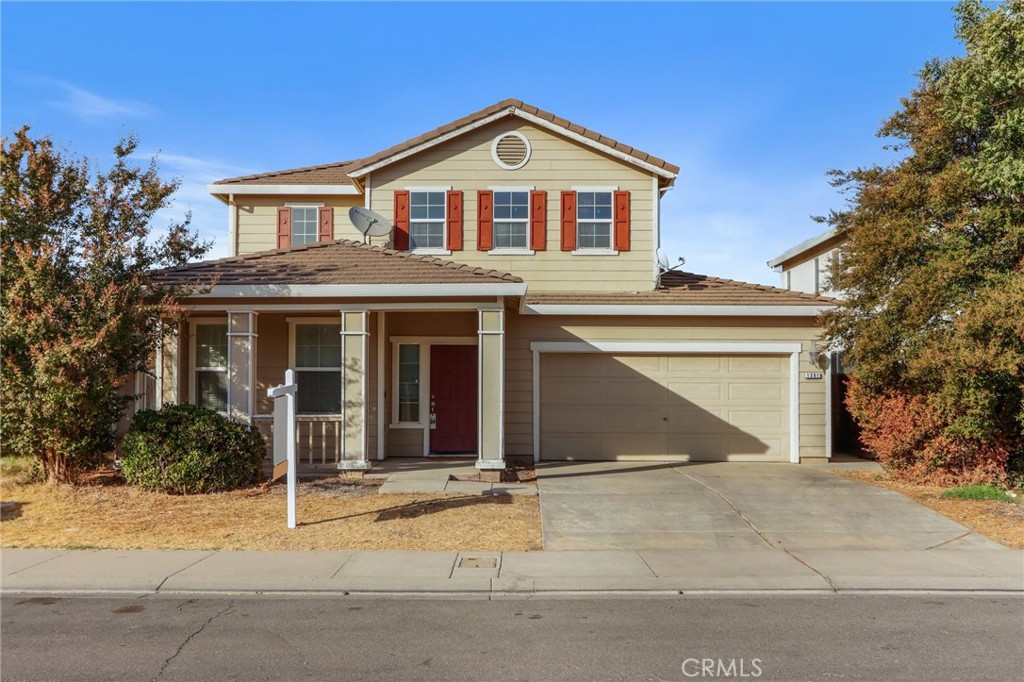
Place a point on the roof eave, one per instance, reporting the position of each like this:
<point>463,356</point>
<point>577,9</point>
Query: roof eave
<point>802,247</point>
<point>364,290</point>
<point>223,190</point>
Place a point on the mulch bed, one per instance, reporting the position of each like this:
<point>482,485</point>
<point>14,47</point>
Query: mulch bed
<point>334,514</point>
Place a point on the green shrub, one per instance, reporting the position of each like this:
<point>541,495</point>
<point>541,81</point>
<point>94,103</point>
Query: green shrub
<point>980,491</point>
<point>187,449</point>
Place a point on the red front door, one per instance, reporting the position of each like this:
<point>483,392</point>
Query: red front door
<point>453,386</point>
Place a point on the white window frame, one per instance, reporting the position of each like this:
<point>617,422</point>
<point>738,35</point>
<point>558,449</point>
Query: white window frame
<point>193,370</point>
<point>442,250</point>
<point>293,322</point>
<point>316,222</point>
<point>513,250</point>
<point>595,251</point>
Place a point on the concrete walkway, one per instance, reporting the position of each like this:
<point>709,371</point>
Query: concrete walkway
<point>439,476</point>
<point>737,506</point>
<point>510,574</point>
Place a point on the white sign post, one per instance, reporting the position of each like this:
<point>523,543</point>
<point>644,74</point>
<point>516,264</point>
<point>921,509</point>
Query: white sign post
<point>284,437</point>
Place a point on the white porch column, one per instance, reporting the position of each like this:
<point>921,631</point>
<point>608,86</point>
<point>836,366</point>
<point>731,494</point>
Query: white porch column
<point>168,361</point>
<point>355,334</point>
<point>242,364</point>
<point>491,394</point>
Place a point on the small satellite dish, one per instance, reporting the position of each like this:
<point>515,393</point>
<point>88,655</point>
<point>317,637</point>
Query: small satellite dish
<point>663,264</point>
<point>368,222</point>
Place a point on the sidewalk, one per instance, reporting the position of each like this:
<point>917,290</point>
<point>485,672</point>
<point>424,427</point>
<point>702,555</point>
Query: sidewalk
<point>510,574</point>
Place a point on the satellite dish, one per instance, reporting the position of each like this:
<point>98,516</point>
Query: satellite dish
<point>368,222</point>
<point>663,263</point>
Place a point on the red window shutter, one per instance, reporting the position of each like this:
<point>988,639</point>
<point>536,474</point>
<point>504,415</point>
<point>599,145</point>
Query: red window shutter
<point>621,221</point>
<point>326,231</point>
<point>538,220</point>
<point>455,220</point>
<point>284,227</point>
<point>568,221</point>
<point>485,220</point>
<point>401,241</point>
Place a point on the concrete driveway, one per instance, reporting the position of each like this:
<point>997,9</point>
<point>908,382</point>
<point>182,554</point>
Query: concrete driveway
<point>645,505</point>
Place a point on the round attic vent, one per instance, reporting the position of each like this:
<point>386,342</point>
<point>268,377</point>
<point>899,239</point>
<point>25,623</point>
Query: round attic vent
<point>510,150</point>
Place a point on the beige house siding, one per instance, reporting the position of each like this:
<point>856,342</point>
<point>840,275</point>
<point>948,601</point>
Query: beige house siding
<point>556,164</point>
<point>257,218</point>
<point>521,330</point>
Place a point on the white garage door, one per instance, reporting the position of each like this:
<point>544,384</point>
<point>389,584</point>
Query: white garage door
<point>596,406</point>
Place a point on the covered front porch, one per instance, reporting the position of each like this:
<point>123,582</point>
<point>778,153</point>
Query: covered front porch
<point>377,379</point>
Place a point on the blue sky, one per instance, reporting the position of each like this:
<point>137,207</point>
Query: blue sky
<point>755,102</point>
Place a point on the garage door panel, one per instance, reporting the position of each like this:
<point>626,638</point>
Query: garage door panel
<point>575,391</point>
<point>758,364</point>
<point>762,449</point>
<point>749,391</point>
<point>696,391</point>
<point>694,363</point>
<point>674,407</point>
<point>756,418</point>
<point>696,420</point>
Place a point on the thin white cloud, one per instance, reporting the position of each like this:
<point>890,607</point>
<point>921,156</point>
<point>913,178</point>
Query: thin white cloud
<point>91,107</point>
<point>209,216</point>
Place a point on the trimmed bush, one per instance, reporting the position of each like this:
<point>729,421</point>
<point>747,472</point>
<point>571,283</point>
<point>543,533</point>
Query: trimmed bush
<point>187,449</point>
<point>910,438</point>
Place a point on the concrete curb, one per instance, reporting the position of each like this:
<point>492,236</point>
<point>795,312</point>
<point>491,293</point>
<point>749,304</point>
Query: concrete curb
<point>516,575</point>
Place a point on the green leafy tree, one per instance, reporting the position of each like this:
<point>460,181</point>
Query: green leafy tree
<point>934,265</point>
<point>78,314</point>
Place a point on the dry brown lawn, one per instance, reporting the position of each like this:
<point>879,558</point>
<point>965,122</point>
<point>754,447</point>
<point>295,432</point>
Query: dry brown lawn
<point>999,521</point>
<point>332,513</point>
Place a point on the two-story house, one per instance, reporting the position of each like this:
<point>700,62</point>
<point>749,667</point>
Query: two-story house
<point>516,311</point>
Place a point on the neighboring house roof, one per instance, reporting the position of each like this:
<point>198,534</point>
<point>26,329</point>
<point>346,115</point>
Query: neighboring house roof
<point>343,172</point>
<point>341,262</point>
<point>688,289</point>
<point>325,174</point>
<point>803,247</point>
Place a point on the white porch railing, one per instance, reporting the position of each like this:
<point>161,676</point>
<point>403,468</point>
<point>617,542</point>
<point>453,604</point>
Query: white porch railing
<point>317,440</point>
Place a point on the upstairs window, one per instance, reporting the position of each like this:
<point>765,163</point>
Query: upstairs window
<point>427,217</point>
<point>301,224</point>
<point>594,220</point>
<point>511,220</point>
<point>304,225</point>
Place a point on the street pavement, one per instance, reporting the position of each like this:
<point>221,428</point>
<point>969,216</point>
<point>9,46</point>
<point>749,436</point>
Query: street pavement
<point>827,637</point>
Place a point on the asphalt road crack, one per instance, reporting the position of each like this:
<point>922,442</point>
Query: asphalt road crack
<point>166,664</point>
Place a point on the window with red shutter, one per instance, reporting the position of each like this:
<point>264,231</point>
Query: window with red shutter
<point>538,220</point>
<point>401,240</point>
<point>454,220</point>
<point>284,227</point>
<point>485,220</point>
<point>568,221</point>
<point>326,231</point>
<point>622,221</point>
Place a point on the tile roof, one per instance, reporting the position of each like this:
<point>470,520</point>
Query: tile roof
<point>337,173</point>
<point>687,288</point>
<point>325,174</point>
<point>338,262</point>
